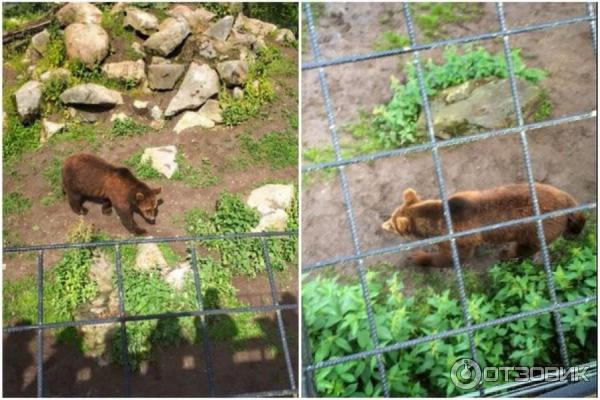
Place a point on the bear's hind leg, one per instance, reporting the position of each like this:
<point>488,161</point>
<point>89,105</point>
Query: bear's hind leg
<point>106,207</point>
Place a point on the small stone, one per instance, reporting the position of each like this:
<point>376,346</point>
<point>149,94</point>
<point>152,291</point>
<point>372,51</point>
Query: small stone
<point>285,36</point>
<point>162,159</point>
<point>40,41</point>
<point>238,93</point>
<point>211,110</point>
<point>28,99</point>
<point>268,198</point>
<point>207,50</point>
<point>197,19</point>
<point>118,116</point>
<point>125,70</point>
<point>140,105</point>
<point>49,129</point>
<point>141,21</point>
<point>192,119</point>
<point>233,72</point>
<point>254,26</point>
<point>220,29</point>
<point>164,76</point>
<point>156,113</point>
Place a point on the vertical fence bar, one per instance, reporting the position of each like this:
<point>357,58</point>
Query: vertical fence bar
<point>346,198</point>
<point>591,13</point>
<point>308,388</point>
<point>532,192</point>
<point>275,298</point>
<point>40,320</point>
<point>441,183</point>
<point>124,346</point>
<point>200,299</point>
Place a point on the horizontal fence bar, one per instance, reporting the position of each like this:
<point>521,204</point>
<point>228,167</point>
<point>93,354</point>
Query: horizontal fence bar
<point>450,142</point>
<point>430,241</point>
<point>133,318</point>
<point>448,333</point>
<point>103,243</point>
<point>272,393</point>
<point>449,42</point>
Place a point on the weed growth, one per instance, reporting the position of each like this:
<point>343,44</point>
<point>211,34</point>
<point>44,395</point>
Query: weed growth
<point>278,149</point>
<point>15,204</point>
<point>390,40</point>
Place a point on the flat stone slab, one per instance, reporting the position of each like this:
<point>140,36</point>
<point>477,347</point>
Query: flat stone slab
<point>162,159</point>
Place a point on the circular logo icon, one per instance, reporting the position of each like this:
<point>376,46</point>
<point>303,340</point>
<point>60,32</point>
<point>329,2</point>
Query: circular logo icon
<point>466,374</point>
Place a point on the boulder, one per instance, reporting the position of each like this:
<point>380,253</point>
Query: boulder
<point>192,119</point>
<point>233,73</point>
<point>172,32</point>
<point>125,70</point>
<point>254,26</point>
<point>199,84</point>
<point>268,198</point>
<point>60,73</point>
<point>477,106</point>
<point>91,94</point>
<point>40,41</point>
<point>284,36</point>
<point>162,159</point>
<point>220,29</point>
<point>141,21</point>
<point>28,99</point>
<point>197,19</point>
<point>83,13</point>
<point>212,110</point>
<point>149,257</point>
<point>176,277</point>
<point>49,129</point>
<point>164,76</point>
<point>86,42</point>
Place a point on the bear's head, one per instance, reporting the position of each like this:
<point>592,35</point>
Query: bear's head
<point>401,221</point>
<point>147,202</point>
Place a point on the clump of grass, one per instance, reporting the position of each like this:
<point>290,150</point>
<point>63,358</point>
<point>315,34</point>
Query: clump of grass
<point>126,127</point>
<point>53,177</point>
<point>278,149</point>
<point>431,18</point>
<point>544,109</point>
<point>51,91</point>
<point>390,40</point>
<point>15,203</point>
<point>143,170</point>
<point>195,177</point>
<point>56,52</point>
<point>20,14</point>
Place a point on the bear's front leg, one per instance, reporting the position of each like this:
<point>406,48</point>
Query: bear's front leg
<point>126,217</point>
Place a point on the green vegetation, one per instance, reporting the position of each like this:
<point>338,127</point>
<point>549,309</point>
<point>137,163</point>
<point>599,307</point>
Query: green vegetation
<point>53,177</point>
<point>431,18</point>
<point>278,149</point>
<point>241,256</point>
<point>17,15</point>
<point>56,53</point>
<point>336,320</point>
<point>390,40</point>
<point>545,108</point>
<point>51,91</point>
<point>14,204</point>
<point>124,127</point>
<point>143,170</point>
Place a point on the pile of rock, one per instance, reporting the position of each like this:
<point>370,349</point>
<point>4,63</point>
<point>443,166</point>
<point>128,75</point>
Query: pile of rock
<point>190,52</point>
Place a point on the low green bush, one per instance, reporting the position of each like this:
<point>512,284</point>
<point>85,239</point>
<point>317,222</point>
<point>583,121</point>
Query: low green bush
<point>337,325</point>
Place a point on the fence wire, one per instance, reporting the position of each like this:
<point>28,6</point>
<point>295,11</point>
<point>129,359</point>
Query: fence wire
<point>200,312</point>
<point>358,256</point>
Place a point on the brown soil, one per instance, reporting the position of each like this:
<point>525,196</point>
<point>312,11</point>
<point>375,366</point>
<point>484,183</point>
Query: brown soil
<point>564,156</point>
<point>179,371</point>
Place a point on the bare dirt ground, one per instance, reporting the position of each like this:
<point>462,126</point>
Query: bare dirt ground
<point>173,371</point>
<point>564,156</point>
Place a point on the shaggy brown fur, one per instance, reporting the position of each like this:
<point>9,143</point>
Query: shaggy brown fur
<point>472,209</point>
<point>88,177</point>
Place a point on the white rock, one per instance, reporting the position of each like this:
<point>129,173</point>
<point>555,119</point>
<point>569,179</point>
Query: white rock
<point>199,84</point>
<point>254,26</point>
<point>220,29</point>
<point>176,277</point>
<point>192,119</point>
<point>125,70</point>
<point>28,99</point>
<point>118,116</point>
<point>238,93</point>
<point>91,94</point>
<point>140,105</point>
<point>84,13</point>
<point>172,32</point>
<point>86,42</point>
<point>141,21</point>
<point>197,19</point>
<point>40,41</point>
<point>274,221</point>
<point>49,129</point>
<point>149,257</point>
<point>156,113</point>
<point>162,159</point>
<point>284,35</point>
<point>268,198</point>
<point>212,110</point>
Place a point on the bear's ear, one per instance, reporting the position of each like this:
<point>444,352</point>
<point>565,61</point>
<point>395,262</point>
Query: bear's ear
<point>139,196</point>
<point>157,190</point>
<point>410,197</point>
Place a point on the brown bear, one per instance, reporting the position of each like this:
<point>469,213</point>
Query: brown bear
<point>88,177</point>
<point>472,209</point>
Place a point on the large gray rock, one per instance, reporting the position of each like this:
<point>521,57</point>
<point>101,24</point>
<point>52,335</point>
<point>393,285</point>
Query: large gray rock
<point>162,159</point>
<point>192,119</point>
<point>220,29</point>
<point>86,42</point>
<point>125,70</point>
<point>141,21</point>
<point>233,73</point>
<point>254,26</point>
<point>197,18</point>
<point>172,32</point>
<point>91,94</point>
<point>28,99</point>
<point>477,106</point>
<point>84,13</point>
<point>200,83</point>
<point>40,41</point>
<point>164,76</point>
<point>149,257</point>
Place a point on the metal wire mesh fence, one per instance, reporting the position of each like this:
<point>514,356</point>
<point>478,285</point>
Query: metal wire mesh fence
<point>202,312</point>
<point>433,145</point>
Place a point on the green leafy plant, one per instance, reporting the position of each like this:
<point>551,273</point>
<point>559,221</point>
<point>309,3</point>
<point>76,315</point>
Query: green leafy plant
<point>143,170</point>
<point>125,127</point>
<point>279,149</point>
<point>432,18</point>
<point>56,53</point>
<point>337,325</point>
<point>197,177</point>
<point>15,203</point>
<point>390,40</point>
